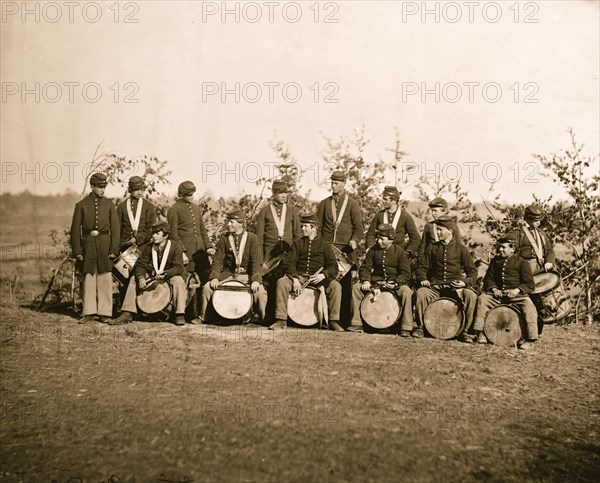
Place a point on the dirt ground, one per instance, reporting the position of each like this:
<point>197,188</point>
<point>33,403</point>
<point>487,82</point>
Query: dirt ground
<point>156,402</point>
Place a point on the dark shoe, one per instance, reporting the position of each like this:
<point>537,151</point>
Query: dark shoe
<point>179,320</point>
<point>104,319</point>
<point>197,321</point>
<point>86,318</point>
<point>335,326</point>
<point>279,324</point>
<point>467,338</point>
<point>525,345</point>
<point>481,338</point>
<point>355,328</point>
<point>417,333</point>
<point>405,333</point>
<point>124,318</point>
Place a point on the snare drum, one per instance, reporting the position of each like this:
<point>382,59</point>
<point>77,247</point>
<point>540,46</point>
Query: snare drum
<point>304,309</point>
<point>232,300</point>
<point>443,318</point>
<point>156,299</point>
<point>123,264</point>
<point>382,312</point>
<point>345,264</point>
<point>555,302</point>
<point>503,325</point>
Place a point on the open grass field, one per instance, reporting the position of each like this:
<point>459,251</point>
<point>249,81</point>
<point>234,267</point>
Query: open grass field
<point>153,402</point>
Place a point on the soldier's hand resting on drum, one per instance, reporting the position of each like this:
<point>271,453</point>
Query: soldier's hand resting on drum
<point>366,286</point>
<point>513,293</point>
<point>142,283</point>
<point>548,266</point>
<point>211,251</point>
<point>214,283</point>
<point>296,286</point>
<point>425,283</point>
<point>458,284</point>
<point>255,287</point>
<point>315,279</point>
<point>497,293</point>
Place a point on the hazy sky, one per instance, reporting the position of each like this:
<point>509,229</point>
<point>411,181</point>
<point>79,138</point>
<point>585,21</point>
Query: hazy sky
<point>374,61</point>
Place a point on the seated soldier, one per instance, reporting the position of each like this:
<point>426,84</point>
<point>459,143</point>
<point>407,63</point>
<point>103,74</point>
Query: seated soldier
<point>238,257</point>
<point>309,254</point>
<point>508,280</point>
<point>441,268</point>
<point>386,264</point>
<point>161,260</point>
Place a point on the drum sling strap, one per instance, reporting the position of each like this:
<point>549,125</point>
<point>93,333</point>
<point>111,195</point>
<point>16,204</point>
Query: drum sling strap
<point>134,221</point>
<point>337,220</point>
<point>159,269</point>
<point>395,220</point>
<point>238,254</point>
<point>279,222</point>
<point>538,248</point>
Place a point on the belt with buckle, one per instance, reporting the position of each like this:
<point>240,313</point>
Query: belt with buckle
<point>95,232</point>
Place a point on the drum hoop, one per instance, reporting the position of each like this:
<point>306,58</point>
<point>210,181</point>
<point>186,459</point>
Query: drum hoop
<point>240,287</point>
<point>169,301</point>
<point>558,281</point>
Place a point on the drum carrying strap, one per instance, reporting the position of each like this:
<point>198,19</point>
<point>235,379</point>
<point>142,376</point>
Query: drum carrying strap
<point>238,254</point>
<point>538,247</point>
<point>163,262</point>
<point>394,222</point>
<point>337,219</point>
<point>279,222</point>
<point>134,221</point>
<point>323,311</point>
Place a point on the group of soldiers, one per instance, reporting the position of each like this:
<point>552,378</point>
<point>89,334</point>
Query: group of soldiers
<point>309,248</point>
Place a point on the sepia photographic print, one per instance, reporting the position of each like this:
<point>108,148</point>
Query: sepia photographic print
<point>300,241</point>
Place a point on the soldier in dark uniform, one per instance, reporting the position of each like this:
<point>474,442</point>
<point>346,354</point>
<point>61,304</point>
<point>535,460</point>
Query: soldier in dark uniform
<point>161,260</point>
<point>340,223</point>
<point>95,242</point>
<point>238,256</point>
<point>399,219</point>
<point>437,207</point>
<point>386,263</point>
<point>535,246</point>
<point>441,269</point>
<point>508,280</point>
<point>277,227</point>
<point>187,227</point>
<point>308,255</point>
<point>136,215</point>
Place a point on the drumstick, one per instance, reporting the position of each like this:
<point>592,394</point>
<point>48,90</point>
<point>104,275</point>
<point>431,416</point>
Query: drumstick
<point>305,284</point>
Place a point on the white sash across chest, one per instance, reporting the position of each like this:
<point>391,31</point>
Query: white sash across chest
<point>134,221</point>
<point>394,222</point>
<point>279,222</point>
<point>337,219</point>
<point>159,269</point>
<point>238,254</point>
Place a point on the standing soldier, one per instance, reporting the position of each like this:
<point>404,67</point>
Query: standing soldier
<point>536,248</point>
<point>437,207</point>
<point>187,227</point>
<point>340,223</point>
<point>238,257</point>
<point>277,227</point>
<point>136,215</point>
<point>400,219</point>
<point>95,242</point>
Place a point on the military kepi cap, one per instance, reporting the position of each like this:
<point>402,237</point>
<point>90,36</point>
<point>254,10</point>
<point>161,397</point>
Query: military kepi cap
<point>236,214</point>
<point>446,221</point>
<point>534,212</point>
<point>438,203</point>
<point>338,176</point>
<point>161,225</point>
<point>307,218</point>
<point>186,188</point>
<point>507,239</point>
<point>279,187</point>
<point>392,192</point>
<point>136,183</point>
<point>98,179</point>
<point>387,230</point>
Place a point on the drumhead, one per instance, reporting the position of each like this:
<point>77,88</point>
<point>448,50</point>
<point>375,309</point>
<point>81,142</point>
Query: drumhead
<point>154,299</point>
<point>545,281</point>
<point>502,326</point>
<point>443,318</point>
<point>381,313</point>
<point>304,309</point>
<point>232,304</point>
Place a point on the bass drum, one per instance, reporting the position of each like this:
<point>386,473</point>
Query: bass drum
<point>304,309</point>
<point>156,300</point>
<point>503,325</point>
<point>382,312</point>
<point>443,318</point>
<point>232,300</point>
<point>555,302</point>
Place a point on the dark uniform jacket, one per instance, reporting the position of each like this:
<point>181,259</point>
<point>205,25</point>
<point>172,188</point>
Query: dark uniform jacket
<point>307,256</point>
<point>442,264</point>
<point>406,226</point>
<point>385,265</point>
<point>509,273</point>
<point>147,218</point>
<point>351,226</point>
<point>223,265</point>
<point>525,249</point>
<point>144,267</point>
<point>93,213</point>
<point>429,237</point>
<point>266,229</point>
